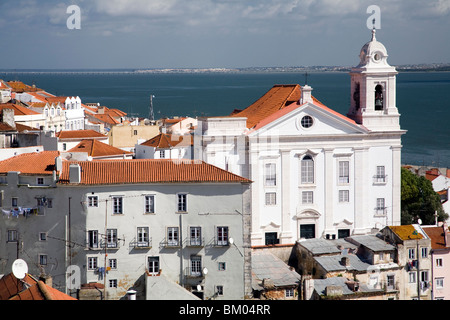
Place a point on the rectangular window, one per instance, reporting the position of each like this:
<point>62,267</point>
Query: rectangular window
<point>307,197</point>
<point>92,201</point>
<point>14,202</point>
<point>412,254</point>
<point>344,172</point>
<point>43,259</point>
<point>153,265</point>
<point>40,181</point>
<point>113,283</point>
<point>118,205</point>
<point>111,238</point>
<point>112,263</point>
<point>182,202</point>
<point>390,281</point>
<point>439,262</point>
<point>222,236</point>
<point>222,266</point>
<point>13,236</point>
<point>93,239</point>
<point>162,154</point>
<point>92,263</point>
<point>439,283</point>
<point>150,204</point>
<point>270,174</point>
<point>381,174</point>
<point>381,208</point>
<point>143,239</point>
<point>344,196</point>
<point>42,236</point>
<point>195,236</point>
<point>196,265</point>
<point>424,252</point>
<point>219,290</point>
<point>172,236</point>
<point>289,293</point>
<point>271,198</point>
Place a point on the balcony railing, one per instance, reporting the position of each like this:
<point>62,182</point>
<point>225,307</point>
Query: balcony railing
<point>141,244</point>
<point>193,272</point>
<point>195,242</point>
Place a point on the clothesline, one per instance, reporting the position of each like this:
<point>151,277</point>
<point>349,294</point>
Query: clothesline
<point>20,211</point>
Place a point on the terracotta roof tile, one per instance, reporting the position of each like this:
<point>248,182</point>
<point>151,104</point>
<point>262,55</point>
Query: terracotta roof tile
<point>31,163</point>
<point>10,285</point>
<point>95,148</point>
<point>437,236</point>
<point>19,86</point>
<point>279,100</point>
<point>79,134</point>
<point>18,110</point>
<point>148,171</point>
<point>166,141</point>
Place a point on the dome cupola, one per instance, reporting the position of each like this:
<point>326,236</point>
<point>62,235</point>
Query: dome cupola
<point>373,53</point>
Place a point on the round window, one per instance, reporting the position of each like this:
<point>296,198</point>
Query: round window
<point>307,122</point>
<point>377,57</point>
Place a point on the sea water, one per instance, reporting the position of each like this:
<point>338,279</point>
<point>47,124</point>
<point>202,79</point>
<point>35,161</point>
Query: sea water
<point>423,99</point>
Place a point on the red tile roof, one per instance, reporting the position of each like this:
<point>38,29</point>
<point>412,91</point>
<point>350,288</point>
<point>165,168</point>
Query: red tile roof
<point>13,289</point>
<point>166,141</point>
<point>279,100</point>
<point>19,86</point>
<point>79,134</point>
<point>437,236</point>
<point>35,163</point>
<point>95,148</point>
<point>18,110</point>
<point>148,171</point>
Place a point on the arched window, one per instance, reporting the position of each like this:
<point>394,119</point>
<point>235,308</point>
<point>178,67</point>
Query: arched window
<point>379,97</point>
<point>307,170</point>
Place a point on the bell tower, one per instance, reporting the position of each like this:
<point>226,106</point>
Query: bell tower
<point>373,87</point>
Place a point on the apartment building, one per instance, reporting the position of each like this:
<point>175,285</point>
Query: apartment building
<point>120,222</point>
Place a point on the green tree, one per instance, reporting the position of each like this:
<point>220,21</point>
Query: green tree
<point>419,200</point>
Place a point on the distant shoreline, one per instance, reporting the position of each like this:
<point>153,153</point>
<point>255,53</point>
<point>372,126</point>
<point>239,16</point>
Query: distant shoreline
<point>300,69</point>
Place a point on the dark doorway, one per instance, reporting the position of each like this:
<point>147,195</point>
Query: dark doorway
<point>307,231</point>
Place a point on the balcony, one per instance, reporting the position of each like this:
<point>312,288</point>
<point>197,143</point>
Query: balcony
<point>379,179</point>
<point>171,243</point>
<point>194,272</point>
<point>195,242</point>
<point>141,244</point>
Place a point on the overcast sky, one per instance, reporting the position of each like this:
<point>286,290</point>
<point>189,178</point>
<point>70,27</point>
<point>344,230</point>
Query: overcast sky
<point>217,33</point>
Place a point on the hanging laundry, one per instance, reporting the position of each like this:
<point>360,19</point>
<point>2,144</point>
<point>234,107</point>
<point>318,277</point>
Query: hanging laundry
<point>6,213</point>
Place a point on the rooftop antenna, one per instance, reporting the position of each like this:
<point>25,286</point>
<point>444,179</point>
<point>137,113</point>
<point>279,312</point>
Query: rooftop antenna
<point>152,116</point>
<point>306,78</point>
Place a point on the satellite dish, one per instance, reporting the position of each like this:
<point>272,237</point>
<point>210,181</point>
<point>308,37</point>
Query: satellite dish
<point>231,240</point>
<point>199,287</point>
<point>205,271</point>
<point>19,269</point>
<point>419,221</point>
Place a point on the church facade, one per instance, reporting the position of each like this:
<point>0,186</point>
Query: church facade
<point>316,173</point>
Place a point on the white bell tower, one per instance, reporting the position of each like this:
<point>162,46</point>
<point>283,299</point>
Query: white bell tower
<point>373,81</point>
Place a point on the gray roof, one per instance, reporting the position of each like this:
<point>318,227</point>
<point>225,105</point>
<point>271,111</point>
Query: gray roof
<point>267,266</point>
<point>321,284</point>
<point>333,263</point>
<point>319,246</point>
<point>373,243</point>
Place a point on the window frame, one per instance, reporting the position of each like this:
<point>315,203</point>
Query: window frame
<point>307,170</point>
<point>270,174</point>
<point>182,202</point>
<point>149,203</point>
<point>173,236</point>
<point>344,196</point>
<point>307,197</point>
<point>117,204</point>
<point>222,235</point>
<point>343,172</point>
<point>271,198</point>
<point>153,265</point>
<point>92,201</point>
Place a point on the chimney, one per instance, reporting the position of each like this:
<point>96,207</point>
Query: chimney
<point>8,117</point>
<point>306,94</point>
<point>345,261</point>
<point>74,173</point>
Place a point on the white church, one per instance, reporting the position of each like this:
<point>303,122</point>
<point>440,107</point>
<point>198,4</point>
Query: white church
<point>316,173</point>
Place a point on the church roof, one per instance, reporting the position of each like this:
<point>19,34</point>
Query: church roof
<point>278,101</point>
